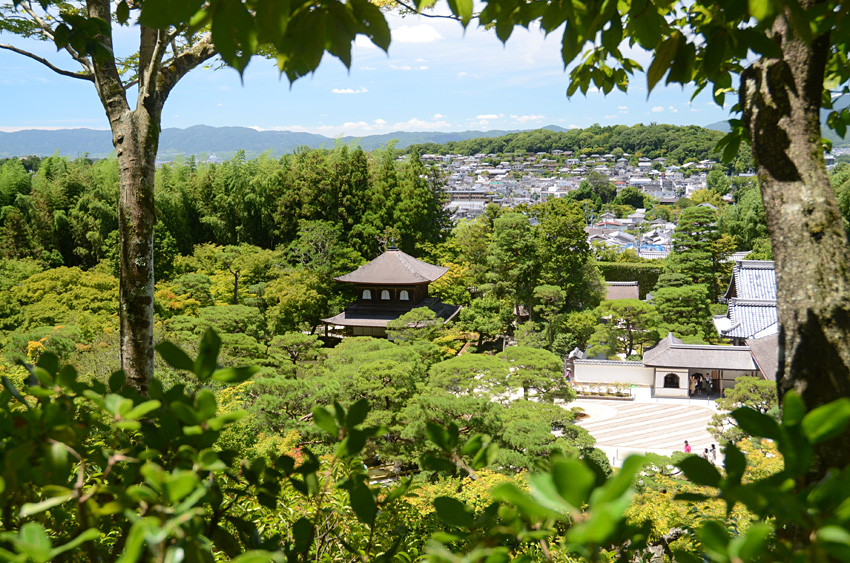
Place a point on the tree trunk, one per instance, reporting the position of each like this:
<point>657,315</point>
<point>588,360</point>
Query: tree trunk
<point>781,109</point>
<point>136,139</point>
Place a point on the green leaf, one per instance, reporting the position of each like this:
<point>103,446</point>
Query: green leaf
<point>434,463</point>
<point>691,497</point>
<point>574,481</point>
<point>220,422</point>
<point>117,381</point>
<point>205,404</point>
<point>363,503</point>
<point>735,463</point>
<point>233,33</point>
<point>699,471</point>
<point>135,542</point>
<point>302,532</point>
<point>453,512</point>
<point>663,57</point>
<point>793,409</point>
<point>30,508</point>
<point>324,420</point>
<point>372,22</point>
<point>122,12</point>
<point>33,541</point>
<point>50,363</point>
<point>141,410</point>
<point>462,9</point>
<point>88,535</point>
<point>438,435</point>
<point>234,375</point>
<point>714,538</point>
<point>750,546</point>
<point>756,423</point>
<point>256,556</point>
<point>175,356</point>
<point>162,13</point>
<point>180,484</point>
<point>827,422</point>
<point>357,413</point>
<point>510,493</point>
<point>207,359</point>
<point>762,9</point>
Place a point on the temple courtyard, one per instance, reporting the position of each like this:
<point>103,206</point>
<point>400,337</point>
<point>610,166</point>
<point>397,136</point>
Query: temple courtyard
<point>624,428</point>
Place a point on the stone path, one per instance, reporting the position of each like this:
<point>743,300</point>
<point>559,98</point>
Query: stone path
<point>623,428</point>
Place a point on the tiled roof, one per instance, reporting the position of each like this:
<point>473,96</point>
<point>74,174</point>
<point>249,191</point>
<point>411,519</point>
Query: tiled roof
<point>672,353</point>
<point>750,317</point>
<point>394,267</point>
<point>766,354</point>
<point>753,279</point>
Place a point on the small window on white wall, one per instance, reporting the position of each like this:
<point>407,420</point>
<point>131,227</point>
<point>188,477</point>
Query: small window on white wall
<point>403,295</point>
<point>367,294</point>
<point>385,295</point>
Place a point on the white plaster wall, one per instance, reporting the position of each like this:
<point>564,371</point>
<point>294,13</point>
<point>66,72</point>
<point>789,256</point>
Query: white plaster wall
<point>661,391</point>
<point>607,373</point>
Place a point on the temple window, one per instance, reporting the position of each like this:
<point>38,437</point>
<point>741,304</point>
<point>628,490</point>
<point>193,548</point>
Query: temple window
<point>403,295</point>
<point>367,294</point>
<point>385,295</point>
<point>671,380</point>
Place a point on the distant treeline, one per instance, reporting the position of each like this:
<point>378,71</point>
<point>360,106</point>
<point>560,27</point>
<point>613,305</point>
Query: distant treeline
<point>64,212</point>
<point>678,144</point>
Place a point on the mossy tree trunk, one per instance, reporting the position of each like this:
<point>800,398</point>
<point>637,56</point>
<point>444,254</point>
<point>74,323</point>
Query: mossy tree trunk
<point>135,135</point>
<point>781,109</point>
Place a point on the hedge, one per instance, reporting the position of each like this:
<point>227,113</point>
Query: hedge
<point>645,273</point>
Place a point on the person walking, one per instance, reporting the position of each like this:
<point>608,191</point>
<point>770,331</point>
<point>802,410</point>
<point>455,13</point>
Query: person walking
<point>713,454</point>
<point>705,454</point>
<point>687,447</point>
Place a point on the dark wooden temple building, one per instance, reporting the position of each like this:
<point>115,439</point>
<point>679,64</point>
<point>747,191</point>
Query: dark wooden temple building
<point>388,287</point>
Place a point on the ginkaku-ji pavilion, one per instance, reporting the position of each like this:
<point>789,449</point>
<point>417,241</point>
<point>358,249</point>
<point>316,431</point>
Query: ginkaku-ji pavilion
<point>388,287</point>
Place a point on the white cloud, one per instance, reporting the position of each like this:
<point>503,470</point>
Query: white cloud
<point>380,122</point>
<point>363,42</point>
<point>574,126</point>
<point>673,109</point>
<point>408,67</point>
<point>527,118</point>
<point>657,109</point>
<point>464,74</point>
<point>439,116</point>
<point>367,68</point>
<point>360,90</point>
<point>622,107</point>
<point>416,124</point>
<point>610,116</point>
<point>490,116</point>
<point>422,33</point>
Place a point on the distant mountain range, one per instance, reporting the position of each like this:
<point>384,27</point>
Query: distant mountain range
<point>223,142</point>
<point>220,141</point>
<point>839,104</point>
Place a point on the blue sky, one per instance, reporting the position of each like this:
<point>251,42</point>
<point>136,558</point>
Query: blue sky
<point>435,78</point>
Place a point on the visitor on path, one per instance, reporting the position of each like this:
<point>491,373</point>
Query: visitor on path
<point>713,453</point>
<point>705,454</point>
<point>687,447</point>
<point>692,384</point>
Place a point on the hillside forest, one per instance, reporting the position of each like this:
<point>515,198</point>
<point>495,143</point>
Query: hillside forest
<point>249,249</point>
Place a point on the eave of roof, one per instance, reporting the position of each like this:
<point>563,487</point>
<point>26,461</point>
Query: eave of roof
<point>394,267</point>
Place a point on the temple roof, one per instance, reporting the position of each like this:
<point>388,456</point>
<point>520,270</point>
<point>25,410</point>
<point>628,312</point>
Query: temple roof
<point>672,352</point>
<point>394,267</point>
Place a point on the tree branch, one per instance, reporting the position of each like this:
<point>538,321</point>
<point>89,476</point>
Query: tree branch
<point>87,76</point>
<point>416,11</point>
<point>187,60</point>
<point>47,31</point>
